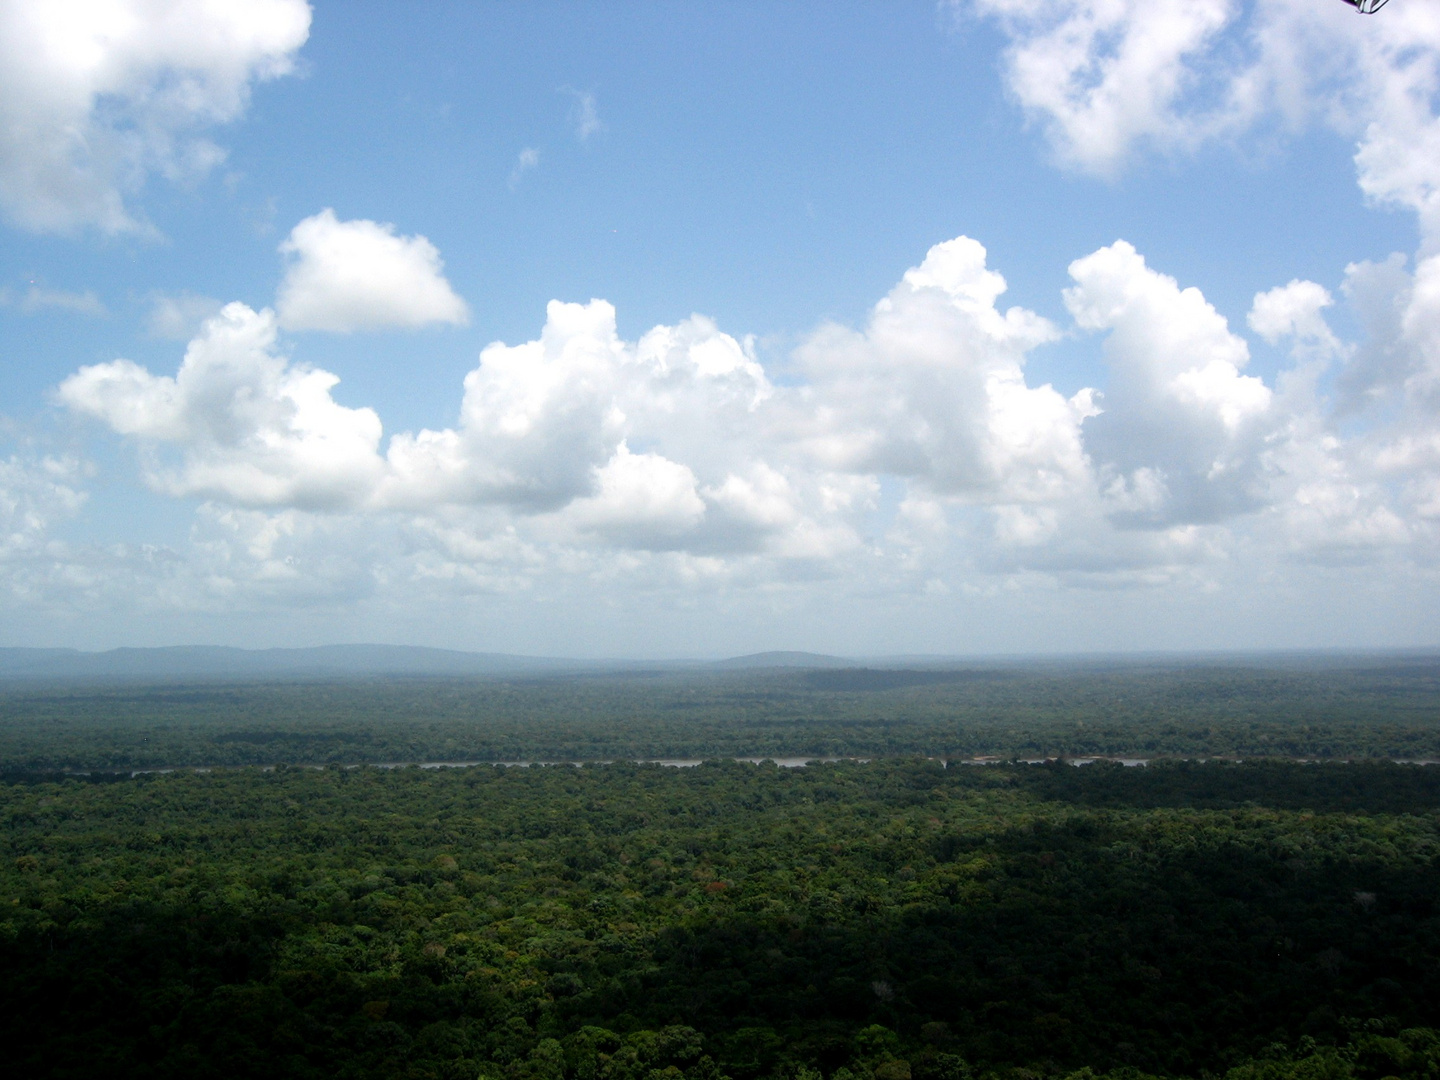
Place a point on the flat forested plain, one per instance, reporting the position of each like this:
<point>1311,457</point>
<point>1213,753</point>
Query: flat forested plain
<point>1358,707</point>
<point>889,919</point>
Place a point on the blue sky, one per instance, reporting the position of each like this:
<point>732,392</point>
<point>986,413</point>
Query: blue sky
<point>388,189</point>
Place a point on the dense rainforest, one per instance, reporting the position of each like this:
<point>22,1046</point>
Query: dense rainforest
<point>1364,707</point>
<point>884,920</point>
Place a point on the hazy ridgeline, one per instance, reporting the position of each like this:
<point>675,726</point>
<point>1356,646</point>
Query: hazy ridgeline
<point>1350,708</point>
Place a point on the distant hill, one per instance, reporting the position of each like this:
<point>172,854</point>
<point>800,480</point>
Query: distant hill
<point>783,660</point>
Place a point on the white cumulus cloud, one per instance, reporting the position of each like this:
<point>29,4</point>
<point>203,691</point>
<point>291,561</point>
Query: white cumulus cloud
<point>248,426</point>
<point>358,275</point>
<point>909,455</point>
<point>1181,425</point>
<point>1103,78</point>
<point>1294,310</point>
<point>934,389</point>
<point>1103,75</point>
<point>642,500</point>
<point>536,421</point>
<point>96,95</point>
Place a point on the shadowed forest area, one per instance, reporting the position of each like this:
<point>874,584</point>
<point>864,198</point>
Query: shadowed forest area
<point>891,919</point>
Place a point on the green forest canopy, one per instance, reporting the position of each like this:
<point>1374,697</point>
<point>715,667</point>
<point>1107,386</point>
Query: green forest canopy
<point>856,921</point>
<point>884,920</point>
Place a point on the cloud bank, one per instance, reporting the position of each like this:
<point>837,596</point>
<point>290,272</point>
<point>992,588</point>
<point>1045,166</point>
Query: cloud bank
<point>911,453</point>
